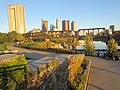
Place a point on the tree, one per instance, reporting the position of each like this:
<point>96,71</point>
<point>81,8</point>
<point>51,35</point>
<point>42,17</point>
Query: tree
<point>14,36</point>
<point>3,37</point>
<point>112,47</point>
<point>89,46</point>
<point>75,43</point>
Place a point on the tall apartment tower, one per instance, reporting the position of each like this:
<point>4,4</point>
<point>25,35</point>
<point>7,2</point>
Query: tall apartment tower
<point>44,25</point>
<point>58,24</point>
<point>68,25</point>
<point>112,27</point>
<point>16,18</point>
<point>52,27</point>
<point>73,25</point>
<point>65,25</point>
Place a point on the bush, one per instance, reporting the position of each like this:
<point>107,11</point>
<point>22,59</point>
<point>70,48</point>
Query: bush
<point>15,75</point>
<point>28,44</point>
<point>79,80</point>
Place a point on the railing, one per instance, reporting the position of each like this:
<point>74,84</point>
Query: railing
<point>97,52</point>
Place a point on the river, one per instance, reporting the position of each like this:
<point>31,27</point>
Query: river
<point>98,45</point>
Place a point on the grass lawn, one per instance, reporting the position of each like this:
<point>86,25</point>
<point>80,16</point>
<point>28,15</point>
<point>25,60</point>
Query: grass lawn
<point>4,45</point>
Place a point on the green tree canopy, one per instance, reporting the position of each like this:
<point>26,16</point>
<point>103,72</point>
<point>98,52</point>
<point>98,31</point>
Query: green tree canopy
<point>15,36</point>
<point>44,44</point>
<point>3,37</point>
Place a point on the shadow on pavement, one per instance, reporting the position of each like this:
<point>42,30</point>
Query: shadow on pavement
<point>97,88</point>
<point>34,56</point>
<point>106,70</point>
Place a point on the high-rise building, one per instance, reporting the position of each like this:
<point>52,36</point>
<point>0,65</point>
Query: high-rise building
<point>58,24</point>
<point>57,28</point>
<point>16,18</point>
<point>73,25</point>
<point>112,27</point>
<point>65,25</point>
<point>68,25</point>
<point>52,27</point>
<point>44,25</point>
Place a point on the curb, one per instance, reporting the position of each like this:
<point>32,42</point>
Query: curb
<point>86,74</point>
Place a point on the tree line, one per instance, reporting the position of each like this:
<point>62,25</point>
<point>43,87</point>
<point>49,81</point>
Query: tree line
<point>11,37</point>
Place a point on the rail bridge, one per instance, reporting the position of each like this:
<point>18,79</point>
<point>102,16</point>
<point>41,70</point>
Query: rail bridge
<point>93,30</point>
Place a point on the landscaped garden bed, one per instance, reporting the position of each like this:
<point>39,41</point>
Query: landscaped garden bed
<point>81,79</point>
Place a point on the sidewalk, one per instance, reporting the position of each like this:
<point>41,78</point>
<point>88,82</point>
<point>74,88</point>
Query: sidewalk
<point>104,74</point>
<point>37,58</point>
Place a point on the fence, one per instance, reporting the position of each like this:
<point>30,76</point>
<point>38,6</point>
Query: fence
<point>98,52</point>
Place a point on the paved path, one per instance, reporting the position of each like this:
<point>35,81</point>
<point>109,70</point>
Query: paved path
<point>6,56</point>
<point>104,74</point>
<point>38,57</point>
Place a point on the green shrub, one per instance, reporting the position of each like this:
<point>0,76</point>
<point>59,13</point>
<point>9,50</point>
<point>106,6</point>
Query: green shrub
<point>29,43</point>
<point>4,45</point>
<point>15,75</point>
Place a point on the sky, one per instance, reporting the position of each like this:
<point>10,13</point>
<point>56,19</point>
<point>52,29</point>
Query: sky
<point>86,13</point>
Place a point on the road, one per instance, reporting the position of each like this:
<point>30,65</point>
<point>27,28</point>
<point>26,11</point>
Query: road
<point>104,74</point>
<point>37,58</point>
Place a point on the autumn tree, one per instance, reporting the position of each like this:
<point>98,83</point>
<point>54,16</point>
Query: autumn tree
<point>89,46</point>
<point>75,43</point>
<point>112,47</point>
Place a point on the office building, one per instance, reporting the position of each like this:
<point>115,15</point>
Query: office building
<point>52,27</point>
<point>57,24</point>
<point>68,25</point>
<point>73,25</point>
<point>44,25</point>
<point>57,28</point>
<point>16,18</point>
<point>112,27</point>
<point>65,25</point>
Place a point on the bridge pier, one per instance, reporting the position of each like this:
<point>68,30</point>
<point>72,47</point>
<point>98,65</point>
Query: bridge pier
<point>98,31</point>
